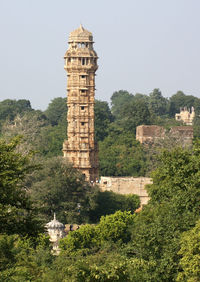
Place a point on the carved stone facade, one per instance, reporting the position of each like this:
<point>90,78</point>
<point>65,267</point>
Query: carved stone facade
<point>127,185</point>
<point>81,64</point>
<point>186,115</point>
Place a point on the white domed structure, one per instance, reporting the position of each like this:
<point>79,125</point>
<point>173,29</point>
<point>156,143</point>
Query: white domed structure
<point>56,232</point>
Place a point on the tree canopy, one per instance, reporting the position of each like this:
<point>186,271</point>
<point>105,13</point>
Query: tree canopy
<point>103,118</point>
<point>114,242</point>
<point>17,214</point>
<point>57,111</point>
<point>58,187</point>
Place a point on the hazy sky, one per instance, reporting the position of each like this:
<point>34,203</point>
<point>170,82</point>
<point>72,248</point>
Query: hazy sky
<point>141,44</point>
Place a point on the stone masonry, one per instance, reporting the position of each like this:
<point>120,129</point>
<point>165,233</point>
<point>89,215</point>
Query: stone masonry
<point>81,64</point>
<point>183,133</point>
<point>127,185</point>
<point>151,134</point>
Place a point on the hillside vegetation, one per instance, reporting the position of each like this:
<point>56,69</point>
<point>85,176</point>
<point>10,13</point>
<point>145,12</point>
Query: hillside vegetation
<point>115,127</point>
<point>115,243</point>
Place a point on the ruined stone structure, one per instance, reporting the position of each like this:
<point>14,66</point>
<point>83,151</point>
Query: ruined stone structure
<point>152,134</point>
<point>127,185</point>
<point>81,64</point>
<point>146,134</point>
<point>149,133</point>
<point>186,115</point>
<point>183,133</point>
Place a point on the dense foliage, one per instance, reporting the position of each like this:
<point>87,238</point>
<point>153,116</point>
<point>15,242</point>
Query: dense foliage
<point>121,155</point>
<point>115,127</point>
<point>115,242</point>
<point>17,213</point>
<point>190,252</point>
<point>160,243</point>
<point>59,188</point>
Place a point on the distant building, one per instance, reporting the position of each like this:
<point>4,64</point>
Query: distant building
<point>186,115</point>
<point>153,134</point>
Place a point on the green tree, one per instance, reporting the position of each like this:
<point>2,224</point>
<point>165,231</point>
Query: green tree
<point>118,99</point>
<point>114,227</point>
<point>155,238</point>
<point>176,177</point>
<point>106,265</point>
<point>121,155</point>
<point>58,187</point>
<point>176,101</point>
<point>190,255</point>
<point>111,228</point>
<point>10,108</point>
<point>157,103</point>
<point>57,111</point>
<point>173,208</point>
<point>196,126</point>
<point>52,138</point>
<point>38,134</point>
<point>7,251</point>
<point>86,237</point>
<point>17,214</point>
<point>23,259</point>
<point>103,118</point>
<point>141,97</point>
<point>108,202</point>
<point>29,126</point>
<point>134,113</point>
<point>180,100</point>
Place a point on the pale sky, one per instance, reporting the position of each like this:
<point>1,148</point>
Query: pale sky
<point>141,44</point>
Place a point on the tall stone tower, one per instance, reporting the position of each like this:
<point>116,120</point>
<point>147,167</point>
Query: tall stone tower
<point>81,64</point>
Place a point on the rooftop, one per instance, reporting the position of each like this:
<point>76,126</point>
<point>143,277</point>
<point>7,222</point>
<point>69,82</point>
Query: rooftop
<point>80,35</point>
<point>54,224</point>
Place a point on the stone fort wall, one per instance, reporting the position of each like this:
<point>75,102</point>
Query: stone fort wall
<point>145,134</point>
<point>127,185</point>
<point>151,134</point>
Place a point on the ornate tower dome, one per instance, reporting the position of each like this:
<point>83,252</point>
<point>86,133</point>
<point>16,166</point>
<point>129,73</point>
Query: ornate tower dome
<point>80,34</point>
<point>54,224</point>
<point>81,64</point>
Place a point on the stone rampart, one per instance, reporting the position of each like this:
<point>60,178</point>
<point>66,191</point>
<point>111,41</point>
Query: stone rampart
<point>149,133</point>
<point>152,134</point>
<point>183,133</point>
<point>127,185</point>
